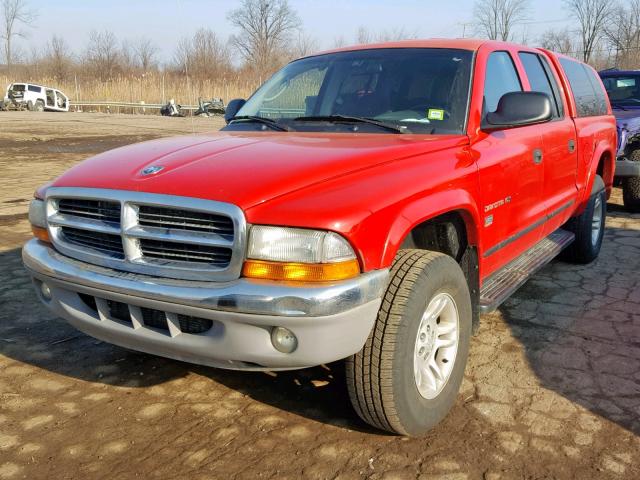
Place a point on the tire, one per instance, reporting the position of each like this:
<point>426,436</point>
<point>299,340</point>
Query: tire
<point>39,106</point>
<point>380,378</point>
<point>30,106</point>
<point>631,188</point>
<point>588,227</point>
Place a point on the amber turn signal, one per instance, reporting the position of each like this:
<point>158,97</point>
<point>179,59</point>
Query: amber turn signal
<point>301,272</point>
<point>41,234</point>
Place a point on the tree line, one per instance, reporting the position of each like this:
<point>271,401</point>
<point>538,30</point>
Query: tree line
<point>269,33</point>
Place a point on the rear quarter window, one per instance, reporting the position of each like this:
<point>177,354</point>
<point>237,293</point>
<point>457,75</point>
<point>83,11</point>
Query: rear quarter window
<point>590,97</point>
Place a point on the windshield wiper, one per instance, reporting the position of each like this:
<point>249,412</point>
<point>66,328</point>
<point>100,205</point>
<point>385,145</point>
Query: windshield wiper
<point>350,119</point>
<point>265,121</point>
<point>620,107</point>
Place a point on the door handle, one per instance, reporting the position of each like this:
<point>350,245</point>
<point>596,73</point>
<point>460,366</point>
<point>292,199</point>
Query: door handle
<point>572,145</point>
<point>537,156</point>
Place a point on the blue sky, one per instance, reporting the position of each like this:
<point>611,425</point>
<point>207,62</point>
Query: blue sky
<point>166,21</point>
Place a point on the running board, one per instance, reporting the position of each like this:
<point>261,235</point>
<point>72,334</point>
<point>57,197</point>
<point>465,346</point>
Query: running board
<point>503,283</point>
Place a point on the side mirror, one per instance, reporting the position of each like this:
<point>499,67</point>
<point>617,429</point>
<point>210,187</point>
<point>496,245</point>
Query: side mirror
<point>517,109</point>
<point>232,108</point>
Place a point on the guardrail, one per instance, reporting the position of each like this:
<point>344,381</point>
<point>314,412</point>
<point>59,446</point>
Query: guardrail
<point>126,105</point>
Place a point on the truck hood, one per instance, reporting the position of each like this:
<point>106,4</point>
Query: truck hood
<point>245,169</point>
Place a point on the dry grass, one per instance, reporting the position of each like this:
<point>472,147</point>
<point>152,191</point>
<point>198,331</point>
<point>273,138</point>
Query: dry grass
<point>155,88</point>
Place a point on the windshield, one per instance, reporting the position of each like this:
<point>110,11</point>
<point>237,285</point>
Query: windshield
<point>623,90</point>
<point>419,90</point>
<point>17,87</point>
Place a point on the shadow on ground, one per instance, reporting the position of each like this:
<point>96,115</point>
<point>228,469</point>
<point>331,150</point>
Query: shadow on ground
<point>580,328</point>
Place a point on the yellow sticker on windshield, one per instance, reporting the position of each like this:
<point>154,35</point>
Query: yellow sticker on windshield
<point>435,114</point>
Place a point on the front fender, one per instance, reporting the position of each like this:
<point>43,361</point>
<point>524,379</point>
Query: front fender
<point>423,209</point>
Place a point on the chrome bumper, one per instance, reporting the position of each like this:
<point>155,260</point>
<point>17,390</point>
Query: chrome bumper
<point>627,168</point>
<point>330,321</point>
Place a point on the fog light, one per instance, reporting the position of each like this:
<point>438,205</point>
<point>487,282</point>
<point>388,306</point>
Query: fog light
<point>46,291</point>
<point>283,340</point>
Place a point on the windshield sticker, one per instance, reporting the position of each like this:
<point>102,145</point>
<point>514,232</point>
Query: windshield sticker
<point>435,114</point>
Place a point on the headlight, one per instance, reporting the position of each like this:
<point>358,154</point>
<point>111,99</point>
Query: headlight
<point>297,254</point>
<point>38,220</point>
<point>279,244</point>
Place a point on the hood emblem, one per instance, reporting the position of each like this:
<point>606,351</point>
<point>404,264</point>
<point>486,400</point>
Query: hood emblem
<point>151,170</point>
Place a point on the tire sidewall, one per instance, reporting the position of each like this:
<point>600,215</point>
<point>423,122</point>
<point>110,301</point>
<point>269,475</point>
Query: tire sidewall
<point>592,251</point>
<point>39,107</point>
<point>418,414</point>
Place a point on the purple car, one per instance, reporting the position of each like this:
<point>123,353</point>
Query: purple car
<point>623,87</point>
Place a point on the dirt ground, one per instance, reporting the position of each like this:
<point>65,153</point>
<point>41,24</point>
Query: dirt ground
<point>552,389</point>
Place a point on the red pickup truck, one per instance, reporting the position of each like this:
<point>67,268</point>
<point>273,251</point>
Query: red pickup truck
<point>364,204</point>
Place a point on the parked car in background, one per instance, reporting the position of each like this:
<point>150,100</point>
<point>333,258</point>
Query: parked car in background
<point>35,98</point>
<point>365,204</point>
<point>623,87</point>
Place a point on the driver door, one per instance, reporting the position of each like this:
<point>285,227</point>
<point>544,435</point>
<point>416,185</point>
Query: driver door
<point>511,174</point>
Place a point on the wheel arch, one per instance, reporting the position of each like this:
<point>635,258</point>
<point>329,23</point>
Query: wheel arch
<point>428,225</point>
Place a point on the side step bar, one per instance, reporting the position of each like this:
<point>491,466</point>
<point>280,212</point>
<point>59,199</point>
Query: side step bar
<point>503,283</point>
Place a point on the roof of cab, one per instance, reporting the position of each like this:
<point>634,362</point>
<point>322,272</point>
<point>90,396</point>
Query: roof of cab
<point>459,43</point>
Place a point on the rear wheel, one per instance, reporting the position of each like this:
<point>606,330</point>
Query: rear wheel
<point>631,188</point>
<point>39,106</point>
<point>407,376</point>
<point>588,227</point>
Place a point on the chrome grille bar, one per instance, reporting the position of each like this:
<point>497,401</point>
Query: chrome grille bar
<point>160,235</point>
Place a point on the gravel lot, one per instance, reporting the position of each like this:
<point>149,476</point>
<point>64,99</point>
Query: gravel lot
<point>552,389</point>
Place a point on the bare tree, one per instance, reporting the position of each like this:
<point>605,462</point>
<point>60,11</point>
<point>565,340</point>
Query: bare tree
<point>364,35</point>
<point>144,52</point>
<point>203,56</point>
<point>266,27</point>
<point>304,45</point>
<point>622,32</point>
<point>14,13</point>
<point>592,16</point>
<point>496,19</point>
<point>58,60</point>
<point>339,42</point>
<point>559,41</point>
<point>102,55</point>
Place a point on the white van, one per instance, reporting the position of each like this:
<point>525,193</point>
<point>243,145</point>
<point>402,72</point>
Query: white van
<point>35,98</point>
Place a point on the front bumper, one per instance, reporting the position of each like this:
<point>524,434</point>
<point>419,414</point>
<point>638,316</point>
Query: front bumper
<point>330,321</point>
<point>627,168</point>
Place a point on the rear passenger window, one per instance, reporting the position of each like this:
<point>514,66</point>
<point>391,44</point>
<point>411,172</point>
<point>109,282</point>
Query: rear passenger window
<point>541,80</point>
<point>33,88</point>
<point>501,78</point>
<point>588,94</point>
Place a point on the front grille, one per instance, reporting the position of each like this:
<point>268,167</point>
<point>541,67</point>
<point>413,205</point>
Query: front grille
<point>189,220</point>
<point>119,311</point>
<point>99,242</point>
<point>158,235</point>
<point>95,209</point>
<point>154,318</point>
<point>194,325</point>
<point>151,318</point>
<point>182,252</point>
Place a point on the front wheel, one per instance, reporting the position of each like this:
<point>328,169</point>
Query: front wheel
<point>407,376</point>
<point>39,106</point>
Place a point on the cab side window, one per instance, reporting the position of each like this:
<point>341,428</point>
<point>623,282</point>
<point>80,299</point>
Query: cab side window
<point>588,94</point>
<point>501,77</point>
<point>541,79</point>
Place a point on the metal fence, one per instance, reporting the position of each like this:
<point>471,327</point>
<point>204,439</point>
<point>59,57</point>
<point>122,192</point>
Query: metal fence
<point>139,107</point>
